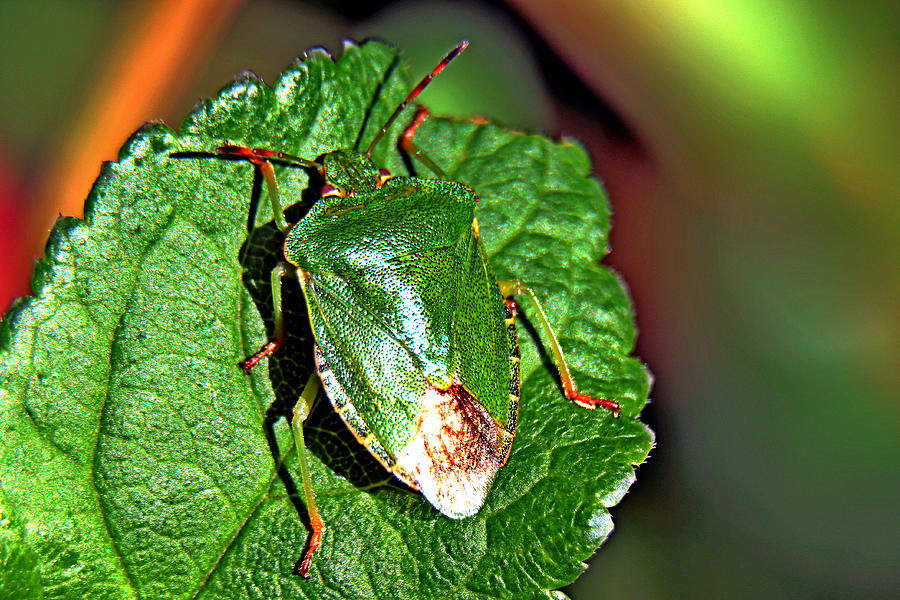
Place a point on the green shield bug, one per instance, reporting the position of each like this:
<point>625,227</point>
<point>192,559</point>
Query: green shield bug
<point>415,339</point>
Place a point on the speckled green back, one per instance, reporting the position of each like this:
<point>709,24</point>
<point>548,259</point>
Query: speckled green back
<point>400,297</point>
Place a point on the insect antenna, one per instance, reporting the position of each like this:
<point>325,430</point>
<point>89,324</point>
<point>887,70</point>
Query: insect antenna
<point>415,92</point>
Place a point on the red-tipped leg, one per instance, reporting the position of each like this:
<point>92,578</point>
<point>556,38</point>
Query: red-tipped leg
<point>301,411</point>
<point>280,270</point>
<point>315,540</point>
<point>268,350</point>
<point>260,157</point>
<point>509,288</point>
<point>592,403</point>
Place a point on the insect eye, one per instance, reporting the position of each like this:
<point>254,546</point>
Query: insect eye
<point>331,191</point>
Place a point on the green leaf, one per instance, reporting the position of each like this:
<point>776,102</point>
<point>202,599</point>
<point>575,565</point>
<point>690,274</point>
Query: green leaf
<point>138,460</point>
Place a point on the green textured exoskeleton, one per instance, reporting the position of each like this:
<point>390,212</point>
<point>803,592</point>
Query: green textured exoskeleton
<point>414,345</point>
<point>415,338</point>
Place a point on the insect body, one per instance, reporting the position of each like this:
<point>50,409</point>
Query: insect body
<point>415,340</point>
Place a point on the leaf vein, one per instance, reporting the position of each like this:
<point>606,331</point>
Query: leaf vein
<point>102,409</point>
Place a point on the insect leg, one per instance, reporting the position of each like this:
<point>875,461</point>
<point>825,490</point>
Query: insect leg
<point>280,270</point>
<point>511,288</point>
<point>301,411</point>
<point>407,143</point>
<point>261,158</point>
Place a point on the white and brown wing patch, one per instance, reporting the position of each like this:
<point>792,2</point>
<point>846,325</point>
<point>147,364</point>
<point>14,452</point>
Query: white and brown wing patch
<point>455,453</point>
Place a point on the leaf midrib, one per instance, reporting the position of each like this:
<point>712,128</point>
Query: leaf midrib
<point>113,342</point>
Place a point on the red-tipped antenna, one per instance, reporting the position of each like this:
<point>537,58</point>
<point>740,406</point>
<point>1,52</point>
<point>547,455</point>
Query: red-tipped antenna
<point>416,91</point>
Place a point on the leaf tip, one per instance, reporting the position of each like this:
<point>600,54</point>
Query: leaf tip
<point>316,52</point>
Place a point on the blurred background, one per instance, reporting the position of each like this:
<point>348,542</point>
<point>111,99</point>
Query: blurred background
<point>750,149</point>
